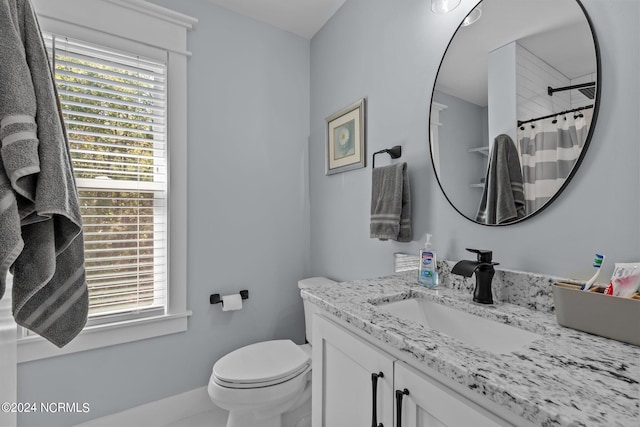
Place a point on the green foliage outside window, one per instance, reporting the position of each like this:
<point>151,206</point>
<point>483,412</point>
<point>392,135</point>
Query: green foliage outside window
<point>111,121</point>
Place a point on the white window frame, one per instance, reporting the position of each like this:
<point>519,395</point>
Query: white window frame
<point>134,26</point>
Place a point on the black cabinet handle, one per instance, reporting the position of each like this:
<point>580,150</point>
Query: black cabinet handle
<point>374,400</point>
<point>399,395</point>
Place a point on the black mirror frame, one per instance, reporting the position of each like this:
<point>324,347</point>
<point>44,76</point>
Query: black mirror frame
<point>596,109</point>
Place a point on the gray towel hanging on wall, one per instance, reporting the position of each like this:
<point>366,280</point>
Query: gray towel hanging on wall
<point>391,203</point>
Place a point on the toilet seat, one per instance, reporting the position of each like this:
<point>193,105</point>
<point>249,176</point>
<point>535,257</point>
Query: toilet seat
<point>262,364</point>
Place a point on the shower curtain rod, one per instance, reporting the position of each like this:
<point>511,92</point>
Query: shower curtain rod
<point>550,90</point>
<point>573,110</point>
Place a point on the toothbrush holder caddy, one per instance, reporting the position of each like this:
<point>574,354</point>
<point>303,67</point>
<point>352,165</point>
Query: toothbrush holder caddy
<point>596,313</point>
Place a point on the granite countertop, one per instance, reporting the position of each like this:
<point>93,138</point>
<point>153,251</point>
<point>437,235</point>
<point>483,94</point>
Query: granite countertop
<point>567,378</point>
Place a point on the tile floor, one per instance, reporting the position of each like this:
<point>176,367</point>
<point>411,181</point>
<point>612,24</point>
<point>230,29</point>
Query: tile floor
<point>213,418</point>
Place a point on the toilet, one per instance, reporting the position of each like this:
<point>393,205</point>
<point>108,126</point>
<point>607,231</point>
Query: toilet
<point>267,384</point>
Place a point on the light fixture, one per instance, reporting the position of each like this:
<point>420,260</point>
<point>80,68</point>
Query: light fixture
<point>444,6</point>
<point>472,17</point>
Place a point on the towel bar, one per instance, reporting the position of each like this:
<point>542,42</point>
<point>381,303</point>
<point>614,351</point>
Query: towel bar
<point>395,152</point>
<point>215,298</point>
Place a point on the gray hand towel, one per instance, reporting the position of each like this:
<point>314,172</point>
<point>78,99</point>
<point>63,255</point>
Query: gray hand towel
<point>391,203</point>
<point>40,219</point>
<point>503,195</point>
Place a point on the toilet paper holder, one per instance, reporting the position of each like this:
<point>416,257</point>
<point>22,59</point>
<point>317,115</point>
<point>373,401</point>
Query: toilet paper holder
<point>216,299</point>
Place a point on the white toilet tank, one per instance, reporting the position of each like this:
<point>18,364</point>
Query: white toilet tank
<point>310,309</point>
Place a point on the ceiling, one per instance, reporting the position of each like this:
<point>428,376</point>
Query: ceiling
<point>553,30</point>
<point>544,27</point>
<point>301,17</point>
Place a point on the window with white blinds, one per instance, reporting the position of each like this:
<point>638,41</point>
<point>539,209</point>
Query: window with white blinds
<point>114,108</point>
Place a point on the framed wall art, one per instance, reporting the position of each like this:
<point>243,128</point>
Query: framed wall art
<point>346,139</point>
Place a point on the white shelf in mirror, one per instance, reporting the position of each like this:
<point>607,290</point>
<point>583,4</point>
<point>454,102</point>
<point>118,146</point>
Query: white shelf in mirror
<point>481,150</point>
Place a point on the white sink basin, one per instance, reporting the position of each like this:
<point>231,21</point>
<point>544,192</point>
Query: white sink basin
<point>473,330</point>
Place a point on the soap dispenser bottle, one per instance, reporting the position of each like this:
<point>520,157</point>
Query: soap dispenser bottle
<point>428,272</point>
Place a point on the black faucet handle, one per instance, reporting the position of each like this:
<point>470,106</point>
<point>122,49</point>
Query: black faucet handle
<point>484,255</point>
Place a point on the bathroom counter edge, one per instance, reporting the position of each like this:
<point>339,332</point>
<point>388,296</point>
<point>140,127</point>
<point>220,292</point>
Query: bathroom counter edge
<point>568,378</point>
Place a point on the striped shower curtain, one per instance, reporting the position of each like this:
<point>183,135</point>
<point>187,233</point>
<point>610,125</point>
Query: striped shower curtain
<point>549,149</point>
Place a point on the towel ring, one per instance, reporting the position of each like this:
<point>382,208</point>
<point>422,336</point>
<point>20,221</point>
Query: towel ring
<point>394,152</point>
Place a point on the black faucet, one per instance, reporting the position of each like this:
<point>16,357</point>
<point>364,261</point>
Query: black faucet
<point>484,270</point>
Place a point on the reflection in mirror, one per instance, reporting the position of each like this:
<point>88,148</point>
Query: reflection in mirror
<point>513,107</point>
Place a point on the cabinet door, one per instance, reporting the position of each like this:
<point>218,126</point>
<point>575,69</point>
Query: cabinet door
<point>343,386</point>
<point>431,404</point>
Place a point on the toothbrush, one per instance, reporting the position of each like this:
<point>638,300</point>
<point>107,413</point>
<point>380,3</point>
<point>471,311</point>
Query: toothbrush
<point>597,264</point>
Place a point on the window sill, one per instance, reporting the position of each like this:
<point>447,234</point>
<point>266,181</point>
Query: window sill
<point>92,337</point>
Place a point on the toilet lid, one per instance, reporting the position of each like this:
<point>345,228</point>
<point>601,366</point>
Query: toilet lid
<point>261,362</point>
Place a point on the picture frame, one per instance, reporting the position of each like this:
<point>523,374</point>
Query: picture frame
<point>346,139</point>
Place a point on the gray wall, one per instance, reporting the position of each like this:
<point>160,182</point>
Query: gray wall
<point>248,222</point>
<point>464,126</point>
<point>390,52</point>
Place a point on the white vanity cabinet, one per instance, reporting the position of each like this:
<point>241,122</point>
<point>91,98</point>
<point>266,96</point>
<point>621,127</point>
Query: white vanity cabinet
<point>431,404</point>
<point>344,366</point>
<point>346,378</point>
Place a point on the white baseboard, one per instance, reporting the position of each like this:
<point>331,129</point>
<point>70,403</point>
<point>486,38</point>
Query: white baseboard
<point>159,413</point>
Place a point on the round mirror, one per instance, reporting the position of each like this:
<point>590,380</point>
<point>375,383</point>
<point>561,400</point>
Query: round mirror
<point>514,106</point>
